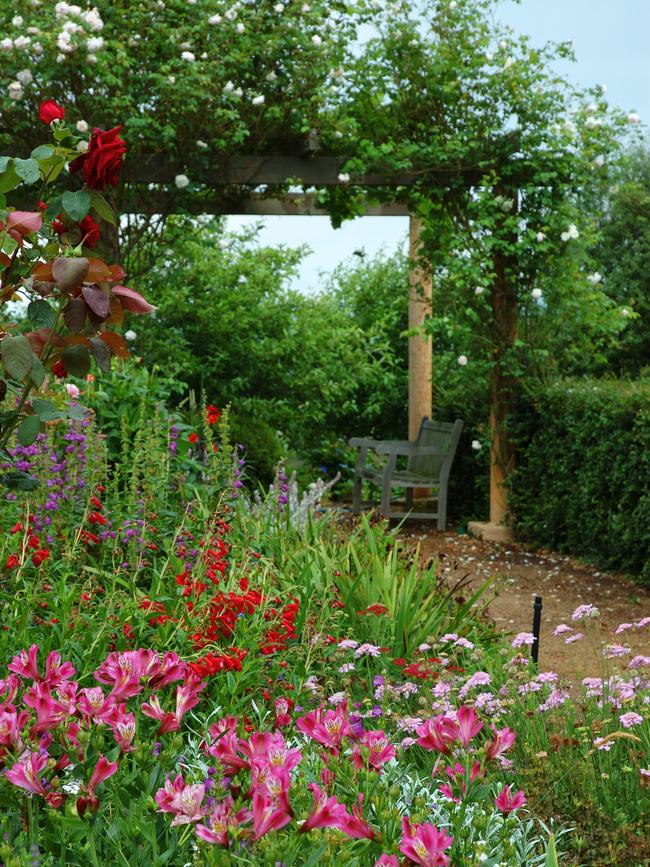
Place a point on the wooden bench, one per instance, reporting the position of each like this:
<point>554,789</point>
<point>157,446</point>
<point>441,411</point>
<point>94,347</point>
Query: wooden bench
<point>429,462</point>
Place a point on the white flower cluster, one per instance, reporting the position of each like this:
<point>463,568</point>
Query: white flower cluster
<point>77,29</point>
<point>571,234</point>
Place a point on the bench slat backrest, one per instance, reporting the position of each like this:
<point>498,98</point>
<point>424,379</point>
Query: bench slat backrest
<point>444,437</point>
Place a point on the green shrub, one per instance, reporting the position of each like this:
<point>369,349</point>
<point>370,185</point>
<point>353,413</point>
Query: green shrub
<point>263,448</point>
<point>583,480</point>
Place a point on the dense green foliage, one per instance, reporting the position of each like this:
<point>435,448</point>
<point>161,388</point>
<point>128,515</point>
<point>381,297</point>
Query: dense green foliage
<point>583,480</point>
<point>623,256</point>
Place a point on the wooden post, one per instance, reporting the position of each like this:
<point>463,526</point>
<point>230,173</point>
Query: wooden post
<point>505,316</point>
<point>420,356</point>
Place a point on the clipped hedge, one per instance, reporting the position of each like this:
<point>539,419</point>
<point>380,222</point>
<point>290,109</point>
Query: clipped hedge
<point>583,480</point>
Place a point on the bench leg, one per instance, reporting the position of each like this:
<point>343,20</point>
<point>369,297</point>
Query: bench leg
<point>442,508</point>
<point>409,499</point>
<point>385,499</point>
<point>356,495</point>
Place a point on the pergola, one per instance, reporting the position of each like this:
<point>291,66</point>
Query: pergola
<point>232,188</point>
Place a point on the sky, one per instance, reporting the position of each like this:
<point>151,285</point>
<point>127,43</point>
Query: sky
<point>610,39</point>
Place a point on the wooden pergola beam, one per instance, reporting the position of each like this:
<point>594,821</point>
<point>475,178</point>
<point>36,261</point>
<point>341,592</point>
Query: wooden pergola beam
<point>256,205</point>
<point>320,171</point>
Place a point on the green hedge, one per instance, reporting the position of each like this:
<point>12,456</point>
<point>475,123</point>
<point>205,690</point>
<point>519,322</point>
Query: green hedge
<point>583,480</point>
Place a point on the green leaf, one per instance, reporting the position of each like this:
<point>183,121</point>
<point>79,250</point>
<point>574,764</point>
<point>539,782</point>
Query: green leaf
<point>4,162</point>
<point>9,180</point>
<point>42,152</point>
<point>19,481</point>
<point>27,170</point>
<point>77,412</point>
<point>101,206</point>
<point>37,371</point>
<point>551,853</point>
<point>46,410</point>
<point>76,360</point>
<point>54,207</point>
<point>76,204</point>
<point>40,314</point>
<point>17,355</point>
<point>28,430</point>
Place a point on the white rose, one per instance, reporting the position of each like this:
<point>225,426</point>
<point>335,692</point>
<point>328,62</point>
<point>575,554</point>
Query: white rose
<point>537,294</point>
<point>25,76</point>
<point>15,90</point>
<point>462,360</point>
<point>479,290</point>
<point>316,40</point>
<point>82,126</point>
<point>181,181</point>
<point>344,178</point>
<point>476,445</point>
<point>130,335</point>
<point>633,117</point>
<point>187,55</point>
<point>258,100</point>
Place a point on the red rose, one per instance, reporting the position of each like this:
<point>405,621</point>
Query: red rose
<point>58,369</point>
<point>90,231</point>
<point>50,111</point>
<point>102,161</point>
<point>193,438</point>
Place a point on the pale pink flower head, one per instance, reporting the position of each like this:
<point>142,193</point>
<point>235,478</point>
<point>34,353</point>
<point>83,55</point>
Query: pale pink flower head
<point>631,719</point>
<point>639,662</point>
<point>584,612</point>
<point>522,639</point>
<point>425,844</point>
<point>562,629</point>
<point>72,389</point>
<point>26,772</point>
<point>501,742</point>
<point>611,651</point>
<point>187,695</point>
<point>124,729</point>
<point>507,802</point>
<point>623,627</point>
<point>366,650</point>
<point>575,637</point>
<point>645,621</point>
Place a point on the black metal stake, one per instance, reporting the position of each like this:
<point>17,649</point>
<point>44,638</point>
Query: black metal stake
<point>537,625</point>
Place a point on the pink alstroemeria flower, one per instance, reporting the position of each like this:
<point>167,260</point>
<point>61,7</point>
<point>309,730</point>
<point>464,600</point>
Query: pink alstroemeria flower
<point>184,801</point>
<point>161,672</point>
<point>218,823</point>
<point>387,861</point>
<point>501,743</point>
<point>187,695</point>
<point>437,734</point>
<point>267,814</point>
<point>26,772</point>
<point>326,812</point>
<point>468,723</point>
<point>226,744</point>
<point>50,713</point>
<point>378,750</point>
<point>354,825</point>
<point>168,721</point>
<point>282,715</point>
<point>507,802</point>
<point>25,665</point>
<point>425,844</point>
<point>103,770</point>
<point>124,729</point>
<point>11,725</point>
<point>327,727</point>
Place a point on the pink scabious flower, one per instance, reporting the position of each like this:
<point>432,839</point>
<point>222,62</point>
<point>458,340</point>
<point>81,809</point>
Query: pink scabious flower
<point>26,772</point>
<point>556,698</point>
<point>562,629</point>
<point>348,644</point>
<point>327,727</point>
<point>347,668</point>
<point>449,636</point>
<point>603,744</point>
<point>184,801</point>
<point>630,719</point>
<point>611,651</point>
<point>645,621</point>
<point>463,642</point>
<point>425,844</point>
<point>575,637</point>
<point>622,627</point>
<point>507,802</point>
<point>583,612</point>
<point>378,750</point>
<point>103,770</point>
<point>479,678</point>
<point>367,650</point>
<point>639,662</point>
<point>524,639</point>
<point>501,742</point>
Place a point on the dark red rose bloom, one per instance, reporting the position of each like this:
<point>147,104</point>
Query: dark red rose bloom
<point>90,231</point>
<point>50,111</point>
<point>59,370</point>
<point>102,161</point>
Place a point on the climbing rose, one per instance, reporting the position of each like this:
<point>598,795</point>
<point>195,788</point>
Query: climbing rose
<point>50,110</point>
<point>102,161</point>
